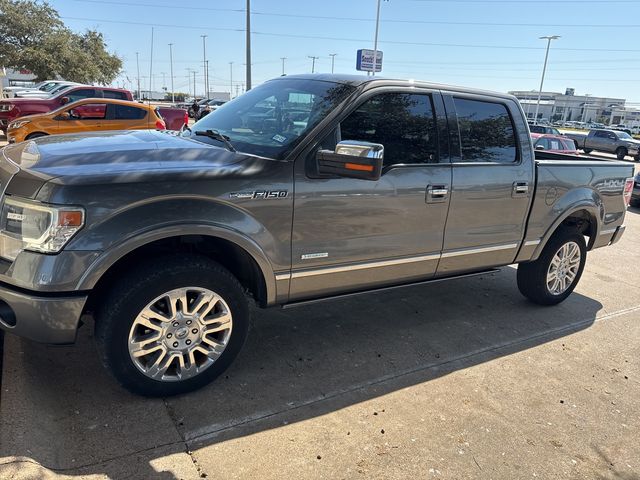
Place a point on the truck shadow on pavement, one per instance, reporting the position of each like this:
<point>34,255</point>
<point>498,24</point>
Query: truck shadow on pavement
<point>60,409</point>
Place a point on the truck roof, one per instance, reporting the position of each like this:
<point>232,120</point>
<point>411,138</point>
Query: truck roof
<point>358,80</point>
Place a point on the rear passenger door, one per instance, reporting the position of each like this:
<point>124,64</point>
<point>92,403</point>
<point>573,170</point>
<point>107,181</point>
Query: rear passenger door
<point>492,183</point>
<point>126,117</point>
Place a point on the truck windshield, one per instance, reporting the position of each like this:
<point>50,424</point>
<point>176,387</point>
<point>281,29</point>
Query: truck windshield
<point>271,119</point>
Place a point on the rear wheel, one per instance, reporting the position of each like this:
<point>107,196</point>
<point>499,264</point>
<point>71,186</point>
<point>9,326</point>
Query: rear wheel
<point>172,326</point>
<point>621,152</point>
<point>551,279</point>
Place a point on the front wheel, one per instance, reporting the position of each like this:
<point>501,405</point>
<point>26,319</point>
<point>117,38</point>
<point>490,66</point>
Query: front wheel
<point>172,326</point>
<point>621,152</point>
<point>551,279</point>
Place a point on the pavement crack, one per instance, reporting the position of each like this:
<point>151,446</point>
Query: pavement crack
<point>187,450</point>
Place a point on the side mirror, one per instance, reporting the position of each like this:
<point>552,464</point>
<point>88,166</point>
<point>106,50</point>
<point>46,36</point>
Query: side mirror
<point>352,159</point>
<point>540,147</point>
<point>64,100</point>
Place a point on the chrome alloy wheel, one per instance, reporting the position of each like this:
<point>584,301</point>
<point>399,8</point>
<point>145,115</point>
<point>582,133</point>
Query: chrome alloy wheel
<point>563,268</point>
<point>180,334</point>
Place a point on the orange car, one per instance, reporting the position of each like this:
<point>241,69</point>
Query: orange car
<point>87,115</point>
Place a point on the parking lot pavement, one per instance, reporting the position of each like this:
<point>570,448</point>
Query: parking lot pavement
<point>460,379</point>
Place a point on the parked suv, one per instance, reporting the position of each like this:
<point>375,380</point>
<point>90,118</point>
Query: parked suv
<point>19,107</point>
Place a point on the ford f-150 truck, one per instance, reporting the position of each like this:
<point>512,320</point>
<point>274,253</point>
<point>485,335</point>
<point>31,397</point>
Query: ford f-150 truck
<point>610,141</point>
<point>303,189</point>
<point>13,108</point>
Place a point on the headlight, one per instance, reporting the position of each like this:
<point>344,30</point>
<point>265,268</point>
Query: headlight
<point>27,225</point>
<point>18,124</point>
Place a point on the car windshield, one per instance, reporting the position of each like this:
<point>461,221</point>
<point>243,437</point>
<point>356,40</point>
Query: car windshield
<point>271,119</point>
<point>624,135</point>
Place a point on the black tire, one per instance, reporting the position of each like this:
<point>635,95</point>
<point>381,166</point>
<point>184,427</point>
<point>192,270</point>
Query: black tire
<point>121,305</point>
<point>532,276</point>
<point>621,152</point>
<point>587,150</point>
<point>36,135</point>
<point>634,203</point>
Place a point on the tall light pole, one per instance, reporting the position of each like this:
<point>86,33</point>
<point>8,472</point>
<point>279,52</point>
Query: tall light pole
<point>171,65</point>
<point>544,69</point>
<point>138,67</point>
<point>230,80</point>
<point>204,64</point>
<point>375,40</point>
<point>313,63</point>
<point>248,45</point>
<point>151,68</point>
<point>333,60</point>
<point>283,59</point>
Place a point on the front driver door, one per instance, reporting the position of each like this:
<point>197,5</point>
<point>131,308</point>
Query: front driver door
<point>88,117</point>
<point>351,234</point>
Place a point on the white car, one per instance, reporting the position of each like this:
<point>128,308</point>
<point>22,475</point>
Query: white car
<point>45,94</point>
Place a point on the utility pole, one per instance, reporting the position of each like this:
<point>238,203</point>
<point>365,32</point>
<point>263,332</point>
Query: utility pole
<point>151,68</point>
<point>333,60</point>
<point>313,63</point>
<point>375,41</point>
<point>230,79</point>
<point>194,83</point>
<point>204,64</point>
<point>207,62</point>
<point>544,69</point>
<point>248,42</point>
<point>283,59</point>
<point>138,67</point>
<point>171,62</point>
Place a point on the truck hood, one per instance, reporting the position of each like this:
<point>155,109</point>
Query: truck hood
<point>121,157</point>
<point>28,100</point>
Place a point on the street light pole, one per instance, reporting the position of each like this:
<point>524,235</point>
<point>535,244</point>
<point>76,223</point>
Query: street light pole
<point>283,59</point>
<point>333,60</point>
<point>313,63</point>
<point>230,80</point>
<point>204,65</point>
<point>138,67</point>
<point>171,62</point>
<point>544,69</point>
<point>375,41</point>
<point>248,46</point>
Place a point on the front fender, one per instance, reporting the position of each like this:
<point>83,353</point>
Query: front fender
<point>109,257</point>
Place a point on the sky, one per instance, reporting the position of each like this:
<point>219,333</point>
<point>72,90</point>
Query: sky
<point>490,44</point>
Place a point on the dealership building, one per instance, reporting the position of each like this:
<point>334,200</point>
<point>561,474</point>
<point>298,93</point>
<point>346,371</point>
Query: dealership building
<point>556,106</point>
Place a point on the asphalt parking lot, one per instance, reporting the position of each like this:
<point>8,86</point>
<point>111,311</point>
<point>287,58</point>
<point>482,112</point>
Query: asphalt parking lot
<point>462,379</point>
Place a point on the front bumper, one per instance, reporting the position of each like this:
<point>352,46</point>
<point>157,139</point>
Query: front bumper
<point>50,319</point>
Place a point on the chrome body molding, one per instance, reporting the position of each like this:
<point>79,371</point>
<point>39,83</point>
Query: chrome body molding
<point>609,231</point>
<point>532,243</point>
<point>473,251</point>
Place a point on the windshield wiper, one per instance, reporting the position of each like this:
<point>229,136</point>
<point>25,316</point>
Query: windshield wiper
<point>216,135</point>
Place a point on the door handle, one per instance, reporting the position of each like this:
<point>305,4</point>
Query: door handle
<point>520,189</point>
<point>437,193</point>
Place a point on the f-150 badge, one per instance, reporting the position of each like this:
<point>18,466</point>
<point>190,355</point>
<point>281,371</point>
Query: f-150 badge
<point>261,194</point>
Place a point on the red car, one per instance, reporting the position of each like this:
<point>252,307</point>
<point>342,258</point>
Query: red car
<point>13,108</point>
<point>175,118</point>
<point>554,144</point>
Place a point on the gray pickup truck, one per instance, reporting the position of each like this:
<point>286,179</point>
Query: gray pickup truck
<point>610,141</point>
<point>305,188</point>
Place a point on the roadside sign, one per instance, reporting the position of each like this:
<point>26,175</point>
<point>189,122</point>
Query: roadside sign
<point>364,60</point>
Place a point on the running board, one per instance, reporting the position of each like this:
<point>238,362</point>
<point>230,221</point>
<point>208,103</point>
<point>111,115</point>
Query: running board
<point>384,289</point>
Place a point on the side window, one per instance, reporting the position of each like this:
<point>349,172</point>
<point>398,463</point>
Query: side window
<point>404,123</point>
<point>486,131</point>
<point>114,94</point>
<point>125,112</point>
<point>81,93</point>
<point>543,142</point>
<point>600,134</point>
<point>89,111</point>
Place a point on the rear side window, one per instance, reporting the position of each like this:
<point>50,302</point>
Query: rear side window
<point>125,112</point>
<point>114,94</point>
<point>486,131</point>
<point>403,123</point>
